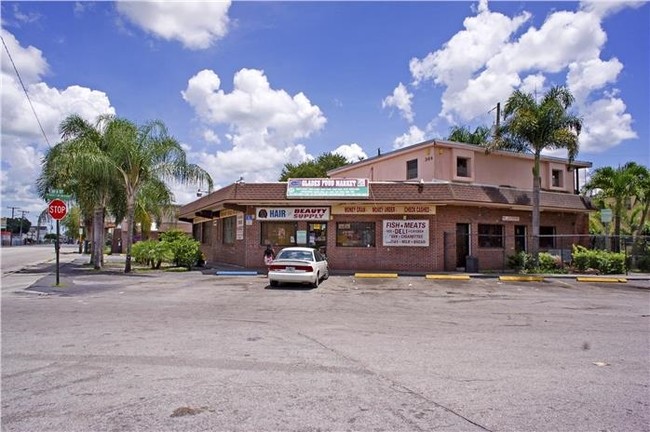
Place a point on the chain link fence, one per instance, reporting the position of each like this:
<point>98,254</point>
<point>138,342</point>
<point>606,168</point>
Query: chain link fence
<point>459,255</point>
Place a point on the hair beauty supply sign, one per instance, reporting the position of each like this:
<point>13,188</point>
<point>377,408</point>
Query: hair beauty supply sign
<point>292,213</point>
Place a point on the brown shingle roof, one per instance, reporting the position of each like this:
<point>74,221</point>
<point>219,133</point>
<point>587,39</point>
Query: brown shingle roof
<point>436,193</point>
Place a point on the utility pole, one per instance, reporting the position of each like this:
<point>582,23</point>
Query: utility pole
<point>22,216</point>
<point>498,122</point>
<point>12,210</point>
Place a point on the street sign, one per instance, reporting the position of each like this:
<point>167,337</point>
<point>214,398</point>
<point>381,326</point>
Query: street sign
<point>57,194</point>
<point>57,209</point>
<point>606,215</point>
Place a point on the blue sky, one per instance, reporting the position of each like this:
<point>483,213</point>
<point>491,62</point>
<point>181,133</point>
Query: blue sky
<point>249,86</point>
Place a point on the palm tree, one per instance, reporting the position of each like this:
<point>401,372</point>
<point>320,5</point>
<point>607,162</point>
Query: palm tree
<point>143,155</point>
<point>618,185</point>
<point>533,126</point>
<point>76,165</point>
<point>462,134</point>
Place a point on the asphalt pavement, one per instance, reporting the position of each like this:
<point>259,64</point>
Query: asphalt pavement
<point>193,351</point>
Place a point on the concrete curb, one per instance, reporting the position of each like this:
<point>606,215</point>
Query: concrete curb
<point>447,277</point>
<point>375,275</point>
<point>601,279</point>
<point>528,278</point>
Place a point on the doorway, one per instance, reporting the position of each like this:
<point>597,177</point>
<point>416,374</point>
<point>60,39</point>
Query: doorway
<point>462,244</point>
<point>520,238</point>
<point>317,236</point>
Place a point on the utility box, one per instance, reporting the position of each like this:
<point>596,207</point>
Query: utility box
<point>471,264</point>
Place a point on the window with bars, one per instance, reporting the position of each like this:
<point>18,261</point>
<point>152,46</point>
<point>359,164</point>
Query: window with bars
<point>490,236</point>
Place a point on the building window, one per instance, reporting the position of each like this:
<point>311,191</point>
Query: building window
<point>196,231</point>
<point>206,231</point>
<point>547,237</point>
<point>463,167</point>
<point>229,224</point>
<point>412,169</point>
<point>490,236</point>
<point>355,234</point>
<point>278,233</point>
<point>556,178</point>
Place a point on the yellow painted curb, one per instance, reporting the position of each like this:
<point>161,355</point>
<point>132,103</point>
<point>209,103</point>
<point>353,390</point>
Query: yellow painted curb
<point>447,277</point>
<point>601,279</point>
<point>375,275</point>
<point>522,278</point>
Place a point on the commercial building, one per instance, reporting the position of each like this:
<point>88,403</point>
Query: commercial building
<point>435,206</point>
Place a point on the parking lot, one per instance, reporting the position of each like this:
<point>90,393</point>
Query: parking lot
<point>194,351</point>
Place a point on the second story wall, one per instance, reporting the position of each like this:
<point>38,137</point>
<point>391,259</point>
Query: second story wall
<point>455,162</point>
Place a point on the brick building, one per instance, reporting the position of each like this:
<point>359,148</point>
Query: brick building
<point>425,208</point>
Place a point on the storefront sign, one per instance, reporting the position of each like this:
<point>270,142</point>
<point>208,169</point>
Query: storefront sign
<point>510,218</point>
<point>327,188</point>
<point>293,213</point>
<point>406,233</point>
<point>364,208</point>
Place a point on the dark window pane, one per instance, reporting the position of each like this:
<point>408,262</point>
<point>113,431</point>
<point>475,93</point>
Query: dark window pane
<point>490,236</point>
<point>278,233</point>
<point>412,169</point>
<point>355,234</point>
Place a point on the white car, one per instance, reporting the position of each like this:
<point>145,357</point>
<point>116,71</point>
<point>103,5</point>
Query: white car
<point>298,265</point>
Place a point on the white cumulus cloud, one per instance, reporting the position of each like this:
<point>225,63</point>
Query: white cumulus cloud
<point>196,24</point>
<point>495,54</point>
<point>265,124</point>
<point>414,135</point>
<point>400,99</point>
<point>352,152</point>
<point>23,144</point>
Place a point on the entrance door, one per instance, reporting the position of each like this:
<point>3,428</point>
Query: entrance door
<point>317,236</point>
<point>520,238</point>
<point>462,244</point>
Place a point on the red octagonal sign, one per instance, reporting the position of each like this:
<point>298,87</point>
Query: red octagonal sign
<point>57,209</point>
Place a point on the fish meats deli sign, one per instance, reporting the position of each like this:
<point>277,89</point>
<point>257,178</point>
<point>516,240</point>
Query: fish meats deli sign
<point>406,233</point>
<point>293,213</point>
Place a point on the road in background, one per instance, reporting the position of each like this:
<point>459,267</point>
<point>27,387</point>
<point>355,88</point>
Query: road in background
<point>14,259</point>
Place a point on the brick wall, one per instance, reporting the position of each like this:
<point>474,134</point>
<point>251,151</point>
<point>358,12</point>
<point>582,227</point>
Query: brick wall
<point>439,256</point>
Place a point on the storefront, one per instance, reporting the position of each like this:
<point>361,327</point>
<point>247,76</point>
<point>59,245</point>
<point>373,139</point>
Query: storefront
<point>383,226</point>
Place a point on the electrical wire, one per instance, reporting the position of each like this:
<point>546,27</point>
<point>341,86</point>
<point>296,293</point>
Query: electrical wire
<point>25,90</point>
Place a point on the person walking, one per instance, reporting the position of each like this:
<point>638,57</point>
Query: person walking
<point>269,256</point>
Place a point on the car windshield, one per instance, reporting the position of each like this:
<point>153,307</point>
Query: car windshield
<point>296,255</point>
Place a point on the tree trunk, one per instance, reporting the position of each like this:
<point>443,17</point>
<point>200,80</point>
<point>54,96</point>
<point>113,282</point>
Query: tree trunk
<point>129,222</point>
<point>534,249</point>
<point>98,237</point>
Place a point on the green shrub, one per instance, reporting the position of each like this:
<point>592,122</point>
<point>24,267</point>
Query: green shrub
<point>520,261</point>
<point>604,261</point>
<point>152,252</point>
<point>549,263</point>
<point>186,251</point>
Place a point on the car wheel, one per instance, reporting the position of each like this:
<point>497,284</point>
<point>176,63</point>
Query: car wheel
<point>316,281</point>
<point>273,283</point>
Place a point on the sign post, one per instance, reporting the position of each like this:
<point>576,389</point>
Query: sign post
<point>57,210</point>
<point>606,218</point>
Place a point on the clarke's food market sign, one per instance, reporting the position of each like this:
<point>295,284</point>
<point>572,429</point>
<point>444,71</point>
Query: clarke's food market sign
<point>292,213</point>
<point>406,233</point>
<point>328,188</point>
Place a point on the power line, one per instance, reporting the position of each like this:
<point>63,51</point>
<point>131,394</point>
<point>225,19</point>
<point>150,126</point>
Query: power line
<point>25,90</point>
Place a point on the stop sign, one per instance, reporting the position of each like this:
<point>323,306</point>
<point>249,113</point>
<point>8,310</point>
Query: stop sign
<point>57,209</point>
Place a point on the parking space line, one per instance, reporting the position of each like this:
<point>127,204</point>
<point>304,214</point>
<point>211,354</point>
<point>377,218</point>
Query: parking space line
<point>375,275</point>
